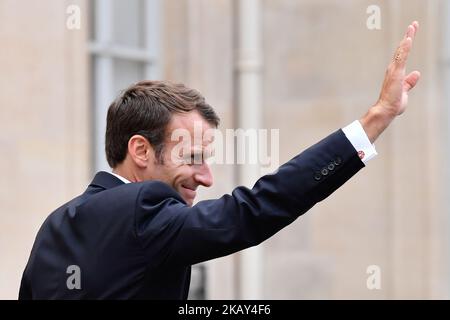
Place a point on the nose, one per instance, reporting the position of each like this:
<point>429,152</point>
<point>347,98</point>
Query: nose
<point>203,175</point>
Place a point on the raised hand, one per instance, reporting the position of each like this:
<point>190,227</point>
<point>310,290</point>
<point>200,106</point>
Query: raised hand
<point>394,93</point>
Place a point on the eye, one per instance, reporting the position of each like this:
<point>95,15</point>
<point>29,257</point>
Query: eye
<point>197,158</point>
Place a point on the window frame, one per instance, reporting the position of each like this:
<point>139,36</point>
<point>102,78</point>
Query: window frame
<point>104,50</point>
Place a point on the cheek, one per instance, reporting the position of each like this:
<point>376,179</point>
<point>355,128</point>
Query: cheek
<point>183,173</point>
<point>176,172</point>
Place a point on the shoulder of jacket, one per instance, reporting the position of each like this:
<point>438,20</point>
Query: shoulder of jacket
<point>156,190</point>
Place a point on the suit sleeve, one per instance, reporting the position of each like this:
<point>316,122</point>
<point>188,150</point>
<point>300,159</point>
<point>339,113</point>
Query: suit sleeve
<point>173,233</point>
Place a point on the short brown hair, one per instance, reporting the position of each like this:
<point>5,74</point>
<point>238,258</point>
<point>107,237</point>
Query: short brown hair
<point>146,108</point>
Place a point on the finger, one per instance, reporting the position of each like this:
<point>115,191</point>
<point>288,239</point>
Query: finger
<point>401,55</point>
<point>411,80</point>
<point>402,52</point>
<point>415,24</point>
<point>410,32</point>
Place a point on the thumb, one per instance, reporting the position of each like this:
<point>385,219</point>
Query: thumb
<point>411,80</point>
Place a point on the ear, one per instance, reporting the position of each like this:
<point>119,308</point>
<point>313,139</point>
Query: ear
<point>140,150</point>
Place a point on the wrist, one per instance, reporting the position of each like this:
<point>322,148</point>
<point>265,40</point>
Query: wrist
<point>375,121</point>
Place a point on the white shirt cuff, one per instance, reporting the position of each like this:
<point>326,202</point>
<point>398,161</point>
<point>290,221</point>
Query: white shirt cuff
<point>358,138</point>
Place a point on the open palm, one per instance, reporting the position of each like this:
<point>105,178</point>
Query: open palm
<point>394,92</point>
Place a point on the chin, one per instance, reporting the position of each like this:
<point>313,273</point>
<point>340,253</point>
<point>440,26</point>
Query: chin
<point>189,201</point>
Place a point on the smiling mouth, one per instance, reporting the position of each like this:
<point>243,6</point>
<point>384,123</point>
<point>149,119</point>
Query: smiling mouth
<point>191,193</point>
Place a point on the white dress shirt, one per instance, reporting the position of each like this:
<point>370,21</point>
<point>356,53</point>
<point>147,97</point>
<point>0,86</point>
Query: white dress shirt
<point>120,177</point>
<point>358,138</point>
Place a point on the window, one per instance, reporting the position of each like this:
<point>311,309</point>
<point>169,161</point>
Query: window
<point>124,48</point>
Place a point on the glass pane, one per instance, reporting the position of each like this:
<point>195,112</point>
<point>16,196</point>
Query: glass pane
<point>128,22</point>
<point>198,283</point>
<point>126,73</point>
<point>91,16</point>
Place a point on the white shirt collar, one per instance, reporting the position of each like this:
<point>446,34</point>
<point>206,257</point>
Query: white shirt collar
<point>120,177</point>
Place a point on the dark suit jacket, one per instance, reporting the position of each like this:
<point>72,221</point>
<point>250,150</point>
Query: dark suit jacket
<point>139,240</point>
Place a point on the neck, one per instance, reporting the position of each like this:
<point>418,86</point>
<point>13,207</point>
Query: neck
<point>127,173</point>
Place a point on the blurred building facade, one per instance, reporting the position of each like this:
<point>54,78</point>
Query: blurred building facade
<point>310,66</point>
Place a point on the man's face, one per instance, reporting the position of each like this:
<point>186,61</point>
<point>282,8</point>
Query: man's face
<point>186,148</point>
